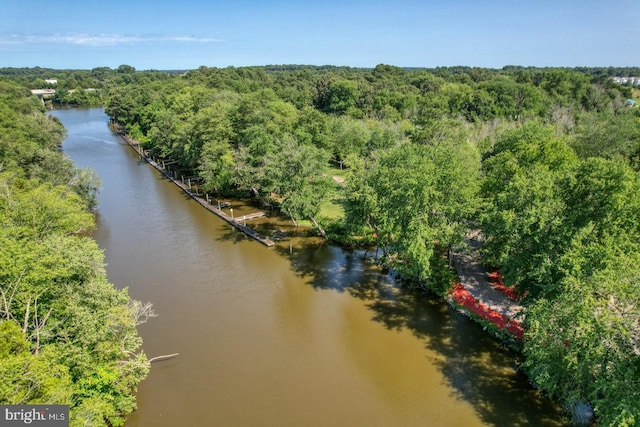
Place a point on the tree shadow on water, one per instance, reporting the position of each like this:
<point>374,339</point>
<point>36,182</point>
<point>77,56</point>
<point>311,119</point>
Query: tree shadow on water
<point>231,234</point>
<point>477,368</point>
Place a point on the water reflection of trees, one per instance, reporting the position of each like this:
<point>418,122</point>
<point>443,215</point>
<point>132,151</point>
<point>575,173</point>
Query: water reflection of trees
<point>479,370</point>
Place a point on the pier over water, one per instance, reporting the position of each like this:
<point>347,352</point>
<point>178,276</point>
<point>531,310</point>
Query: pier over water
<point>239,223</point>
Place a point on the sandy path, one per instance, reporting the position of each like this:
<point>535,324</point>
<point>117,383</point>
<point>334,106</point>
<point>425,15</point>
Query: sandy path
<point>473,277</point>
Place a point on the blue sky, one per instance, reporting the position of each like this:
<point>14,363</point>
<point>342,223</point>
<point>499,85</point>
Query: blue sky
<point>185,34</point>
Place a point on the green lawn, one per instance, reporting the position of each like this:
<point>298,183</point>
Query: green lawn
<point>332,209</point>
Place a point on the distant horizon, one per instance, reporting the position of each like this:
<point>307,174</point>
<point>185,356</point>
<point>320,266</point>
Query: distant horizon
<point>322,66</point>
<point>167,35</point>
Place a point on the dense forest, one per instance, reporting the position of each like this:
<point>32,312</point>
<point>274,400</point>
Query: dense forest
<point>67,336</point>
<point>544,161</point>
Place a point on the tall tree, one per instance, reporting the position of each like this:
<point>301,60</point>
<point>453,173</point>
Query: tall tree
<point>416,198</point>
<point>584,346</point>
<point>612,136</point>
<point>296,175</point>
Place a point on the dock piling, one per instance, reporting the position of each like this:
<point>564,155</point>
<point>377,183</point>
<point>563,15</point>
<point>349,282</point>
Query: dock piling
<point>172,176</point>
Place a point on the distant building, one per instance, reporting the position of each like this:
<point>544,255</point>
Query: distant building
<point>51,81</point>
<point>633,81</point>
<point>631,103</point>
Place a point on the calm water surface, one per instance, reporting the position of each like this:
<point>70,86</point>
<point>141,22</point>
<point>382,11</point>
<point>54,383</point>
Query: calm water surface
<point>268,338</point>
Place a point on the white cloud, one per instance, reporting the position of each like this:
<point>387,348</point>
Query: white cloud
<point>99,39</point>
<point>192,39</point>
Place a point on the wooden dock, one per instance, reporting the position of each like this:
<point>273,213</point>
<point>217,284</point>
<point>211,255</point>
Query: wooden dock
<point>239,222</point>
<point>245,218</point>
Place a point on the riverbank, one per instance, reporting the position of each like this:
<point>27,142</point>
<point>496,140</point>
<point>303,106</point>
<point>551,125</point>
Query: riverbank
<point>472,295</point>
<point>478,297</point>
<point>238,223</point>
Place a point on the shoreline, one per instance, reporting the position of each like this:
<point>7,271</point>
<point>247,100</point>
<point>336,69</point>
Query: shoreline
<point>234,222</point>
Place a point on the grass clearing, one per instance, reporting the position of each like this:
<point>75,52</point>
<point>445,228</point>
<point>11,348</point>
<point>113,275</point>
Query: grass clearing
<point>332,209</point>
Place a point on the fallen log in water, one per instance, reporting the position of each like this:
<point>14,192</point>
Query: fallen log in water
<point>163,357</point>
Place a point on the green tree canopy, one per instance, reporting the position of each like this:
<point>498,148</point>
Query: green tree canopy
<point>416,198</point>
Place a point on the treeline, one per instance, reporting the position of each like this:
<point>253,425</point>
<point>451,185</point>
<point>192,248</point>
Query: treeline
<point>67,336</point>
<point>239,127</point>
<point>83,88</point>
<point>563,224</point>
<point>544,161</point>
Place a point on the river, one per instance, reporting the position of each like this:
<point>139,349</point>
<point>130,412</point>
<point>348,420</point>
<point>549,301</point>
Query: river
<point>269,337</point>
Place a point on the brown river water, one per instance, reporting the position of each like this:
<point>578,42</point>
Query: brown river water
<point>268,337</point>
